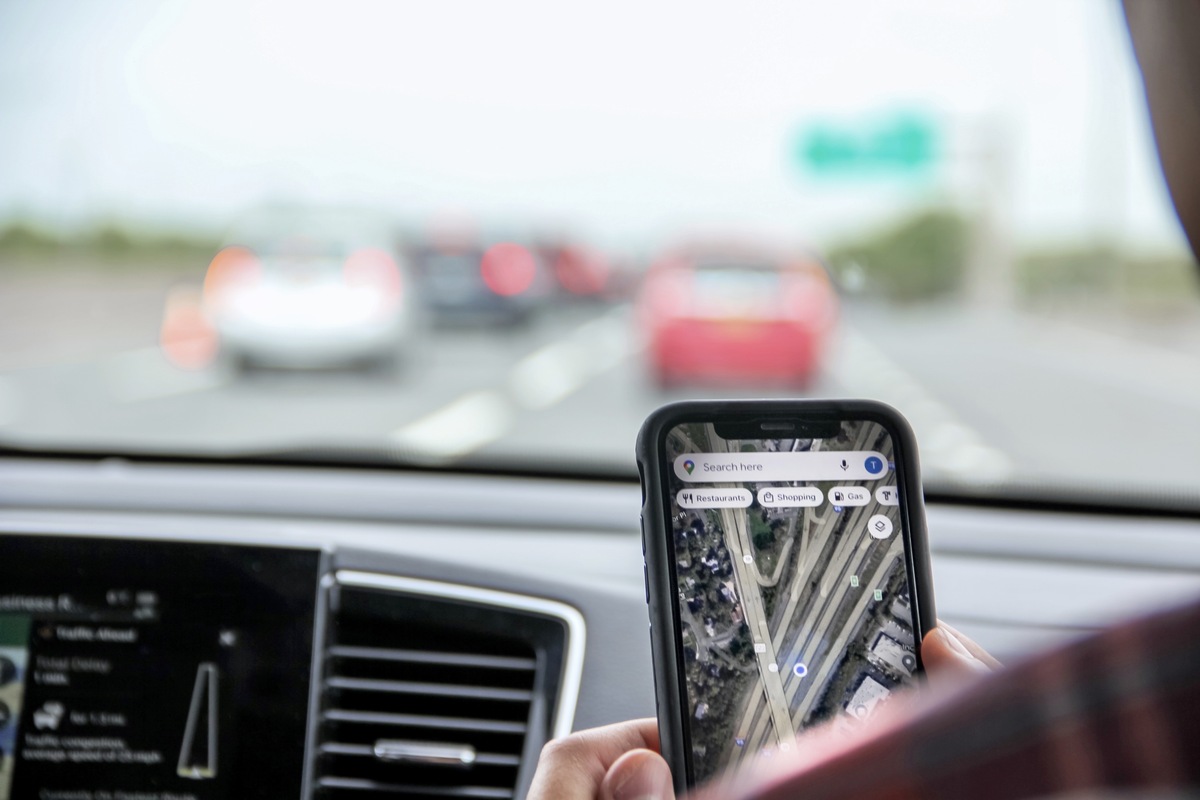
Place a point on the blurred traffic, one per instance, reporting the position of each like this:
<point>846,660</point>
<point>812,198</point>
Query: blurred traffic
<point>492,243</point>
<point>738,315</point>
<point>311,290</point>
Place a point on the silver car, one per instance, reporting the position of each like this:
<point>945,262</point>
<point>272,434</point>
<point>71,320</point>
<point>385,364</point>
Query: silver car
<point>311,290</point>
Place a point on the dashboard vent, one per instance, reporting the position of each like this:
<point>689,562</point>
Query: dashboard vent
<point>437,691</point>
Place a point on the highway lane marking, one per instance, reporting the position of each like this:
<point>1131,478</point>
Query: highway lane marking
<point>467,423</point>
<point>948,446</point>
<point>818,682</point>
<point>557,370</point>
<point>548,375</point>
<point>541,379</point>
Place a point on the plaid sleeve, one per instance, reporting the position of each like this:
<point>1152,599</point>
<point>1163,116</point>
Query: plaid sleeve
<point>1118,710</point>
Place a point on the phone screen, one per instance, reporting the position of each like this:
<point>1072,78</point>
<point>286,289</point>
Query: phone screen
<point>794,598</point>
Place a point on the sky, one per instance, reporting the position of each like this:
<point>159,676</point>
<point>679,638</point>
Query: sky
<point>623,120</point>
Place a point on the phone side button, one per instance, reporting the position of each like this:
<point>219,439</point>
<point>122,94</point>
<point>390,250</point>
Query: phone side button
<point>642,525</point>
<point>646,581</point>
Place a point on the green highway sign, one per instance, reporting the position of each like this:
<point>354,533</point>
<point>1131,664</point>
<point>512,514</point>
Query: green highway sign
<point>899,144</point>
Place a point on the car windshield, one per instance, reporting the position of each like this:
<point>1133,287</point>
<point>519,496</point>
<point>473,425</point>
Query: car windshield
<point>502,233</point>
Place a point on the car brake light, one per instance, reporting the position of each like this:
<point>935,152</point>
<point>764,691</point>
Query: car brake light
<point>668,294</point>
<point>580,272</point>
<point>809,301</point>
<point>374,268</point>
<point>231,268</point>
<point>508,269</point>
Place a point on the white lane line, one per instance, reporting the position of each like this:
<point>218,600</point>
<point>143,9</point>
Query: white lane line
<point>466,424</point>
<point>552,373</point>
<point>548,375</point>
<point>948,446</point>
<point>144,374</point>
<point>538,381</point>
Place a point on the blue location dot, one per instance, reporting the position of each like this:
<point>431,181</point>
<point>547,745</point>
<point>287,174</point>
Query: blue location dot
<point>740,742</point>
<point>874,465</point>
<point>800,670</point>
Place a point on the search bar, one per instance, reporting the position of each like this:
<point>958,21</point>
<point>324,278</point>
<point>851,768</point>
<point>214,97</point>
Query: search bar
<point>862,465</point>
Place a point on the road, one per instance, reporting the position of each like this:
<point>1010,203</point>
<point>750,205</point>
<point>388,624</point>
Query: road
<point>992,397</point>
<point>799,631</point>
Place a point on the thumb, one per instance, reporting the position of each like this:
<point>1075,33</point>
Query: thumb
<point>638,775</point>
<point>947,656</point>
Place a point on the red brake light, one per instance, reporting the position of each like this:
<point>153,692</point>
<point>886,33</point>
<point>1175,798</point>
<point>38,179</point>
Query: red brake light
<point>231,267</point>
<point>581,272</point>
<point>808,300</point>
<point>667,292</point>
<point>373,267</point>
<point>508,269</point>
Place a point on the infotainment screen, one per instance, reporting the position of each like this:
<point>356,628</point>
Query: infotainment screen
<point>153,670</point>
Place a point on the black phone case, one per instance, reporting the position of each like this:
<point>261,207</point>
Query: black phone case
<point>657,540</point>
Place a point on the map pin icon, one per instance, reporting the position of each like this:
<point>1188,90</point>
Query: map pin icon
<point>689,465</point>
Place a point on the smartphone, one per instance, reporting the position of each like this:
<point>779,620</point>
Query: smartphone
<point>787,572</point>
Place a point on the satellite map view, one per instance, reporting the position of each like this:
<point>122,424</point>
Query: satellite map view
<point>793,594</point>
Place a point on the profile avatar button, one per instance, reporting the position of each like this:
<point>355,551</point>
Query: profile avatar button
<point>879,526</point>
<point>873,465</point>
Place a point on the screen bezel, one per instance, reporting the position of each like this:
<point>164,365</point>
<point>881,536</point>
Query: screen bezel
<point>749,416</point>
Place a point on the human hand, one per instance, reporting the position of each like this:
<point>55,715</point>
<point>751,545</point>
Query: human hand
<point>949,655</point>
<point>621,761</point>
<point>616,762</point>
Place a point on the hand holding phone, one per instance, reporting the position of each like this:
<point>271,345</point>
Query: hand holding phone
<point>787,572</point>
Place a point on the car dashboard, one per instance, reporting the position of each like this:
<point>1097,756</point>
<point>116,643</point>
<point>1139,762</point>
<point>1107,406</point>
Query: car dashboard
<point>187,629</point>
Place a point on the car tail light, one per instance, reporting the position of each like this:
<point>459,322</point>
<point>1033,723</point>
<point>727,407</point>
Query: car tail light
<point>508,269</point>
<point>809,301</point>
<point>580,272</point>
<point>231,268</point>
<point>373,268</point>
<point>667,294</point>
<point>186,337</point>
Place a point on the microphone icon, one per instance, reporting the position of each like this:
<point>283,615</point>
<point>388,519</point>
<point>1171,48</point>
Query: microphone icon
<point>845,465</point>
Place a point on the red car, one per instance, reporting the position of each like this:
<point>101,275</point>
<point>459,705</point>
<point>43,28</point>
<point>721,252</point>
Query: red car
<point>723,314</point>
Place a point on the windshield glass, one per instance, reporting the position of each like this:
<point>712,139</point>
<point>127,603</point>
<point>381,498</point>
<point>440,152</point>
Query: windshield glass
<point>507,231</point>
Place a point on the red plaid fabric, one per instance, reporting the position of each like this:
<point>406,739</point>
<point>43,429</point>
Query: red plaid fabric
<point>1118,711</point>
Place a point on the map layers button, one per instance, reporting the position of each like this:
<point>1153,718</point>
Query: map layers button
<point>713,498</point>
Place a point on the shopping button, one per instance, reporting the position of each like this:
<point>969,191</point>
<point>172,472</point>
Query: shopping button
<point>790,497</point>
<point>713,498</point>
<point>849,496</point>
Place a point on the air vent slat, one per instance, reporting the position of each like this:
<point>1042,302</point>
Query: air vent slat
<point>358,784</point>
<point>431,697</point>
<point>425,688</point>
<point>427,657</point>
<point>426,721</point>
<point>490,759</point>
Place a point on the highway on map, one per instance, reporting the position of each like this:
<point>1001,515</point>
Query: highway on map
<point>805,634</point>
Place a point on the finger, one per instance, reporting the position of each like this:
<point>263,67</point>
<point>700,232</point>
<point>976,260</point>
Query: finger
<point>944,656</point>
<point>969,643</point>
<point>638,775</point>
<point>572,768</point>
